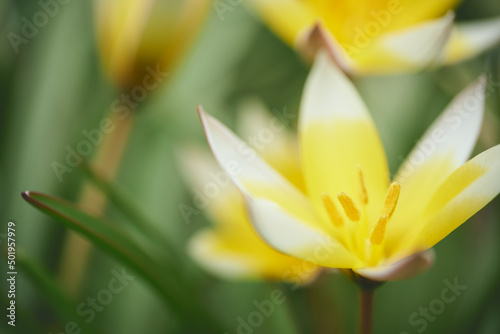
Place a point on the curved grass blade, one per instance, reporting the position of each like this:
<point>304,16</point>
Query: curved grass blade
<point>120,245</point>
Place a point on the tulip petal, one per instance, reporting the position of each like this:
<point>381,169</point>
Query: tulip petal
<point>120,25</point>
<point>403,269</point>
<point>232,249</point>
<point>288,18</point>
<point>250,173</point>
<point>209,252</point>
<point>409,49</point>
<point>445,146</point>
<point>231,259</point>
<point>269,196</point>
<point>464,193</point>
<point>469,39</point>
<point>296,238</point>
<point>337,138</point>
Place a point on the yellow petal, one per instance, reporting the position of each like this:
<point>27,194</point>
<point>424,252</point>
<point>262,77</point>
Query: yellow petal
<point>231,259</point>
<point>445,146</point>
<point>171,29</point>
<point>338,138</point>
<point>134,34</point>
<point>465,192</point>
<point>288,18</point>
<point>213,255</point>
<point>120,25</point>
<point>470,39</point>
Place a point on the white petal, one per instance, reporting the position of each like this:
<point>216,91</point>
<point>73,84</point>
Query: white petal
<point>422,45</point>
<point>469,39</point>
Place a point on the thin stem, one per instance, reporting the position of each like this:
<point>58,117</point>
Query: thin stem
<point>76,250</point>
<point>366,311</point>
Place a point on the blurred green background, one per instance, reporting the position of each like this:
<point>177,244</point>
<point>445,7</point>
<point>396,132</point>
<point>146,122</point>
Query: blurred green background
<point>54,88</point>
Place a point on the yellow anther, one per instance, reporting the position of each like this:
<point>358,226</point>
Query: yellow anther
<point>364,193</point>
<point>335,216</point>
<point>349,206</point>
<point>391,200</point>
<point>378,232</point>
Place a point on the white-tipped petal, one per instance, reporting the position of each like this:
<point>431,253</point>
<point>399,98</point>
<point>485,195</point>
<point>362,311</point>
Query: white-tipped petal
<point>424,44</point>
<point>453,134</point>
<point>410,49</point>
<point>338,137</point>
<point>445,146</point>
<point>464,193</point>
<point>470,39</point>
<point>262,187</point>
<point>205,247</point>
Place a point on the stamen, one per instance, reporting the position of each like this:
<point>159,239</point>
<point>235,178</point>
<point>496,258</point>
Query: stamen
<point>364,193</point>
<point>391,200</point>
<point>335,216</point>
<point>378,232</point>
<point>349,206</point>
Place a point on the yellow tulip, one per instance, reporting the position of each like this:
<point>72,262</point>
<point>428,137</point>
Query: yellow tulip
<point>352,216</point>
<point>382,36</point>
<point>135,34</point>
<point>232,249</point>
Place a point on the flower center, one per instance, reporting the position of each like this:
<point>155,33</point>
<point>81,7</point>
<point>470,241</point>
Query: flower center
<point>363,238</point>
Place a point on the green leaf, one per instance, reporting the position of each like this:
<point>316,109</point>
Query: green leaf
<point>140,221</point>
<point>63,306</point>
<point>119,244</point>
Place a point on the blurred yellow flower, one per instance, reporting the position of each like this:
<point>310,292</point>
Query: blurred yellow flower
<point>350,210</point>
<point>232,249</point>
<point>382,36</point>
<point>135,34</point>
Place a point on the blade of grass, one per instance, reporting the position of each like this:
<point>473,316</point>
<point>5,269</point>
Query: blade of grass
<point>118,244</point>
<point>62,305</point>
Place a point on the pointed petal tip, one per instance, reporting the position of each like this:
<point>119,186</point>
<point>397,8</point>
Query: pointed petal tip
<point>201,111</point>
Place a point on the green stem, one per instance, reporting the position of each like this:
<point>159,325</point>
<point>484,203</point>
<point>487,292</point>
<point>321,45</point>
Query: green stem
<point>366,317</point>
